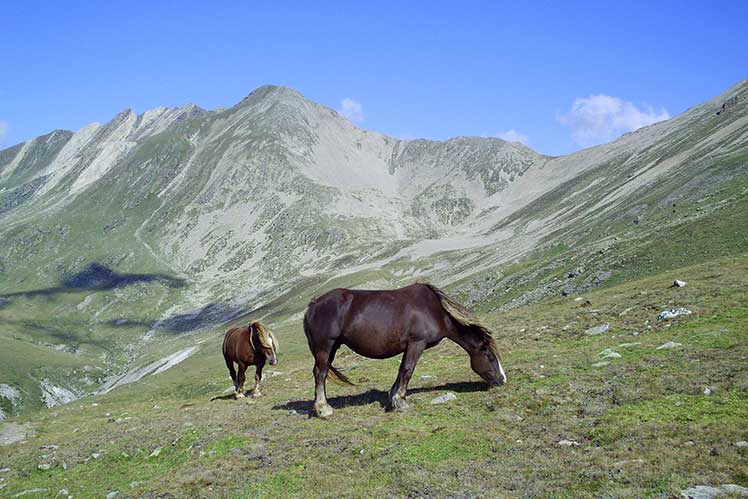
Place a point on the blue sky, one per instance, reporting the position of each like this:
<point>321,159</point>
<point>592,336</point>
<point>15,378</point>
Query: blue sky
<point>560,75</point>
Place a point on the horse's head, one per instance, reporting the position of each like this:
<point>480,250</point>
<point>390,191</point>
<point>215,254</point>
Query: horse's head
<point>266,342</point>
<point>486,361</point>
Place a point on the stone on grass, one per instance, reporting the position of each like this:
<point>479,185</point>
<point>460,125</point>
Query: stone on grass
<point>597,329</point>
<point>44,466</point>
<point>668,345</point>
<point>568,443</point>
<point>29,491</point>
<point>609,354</point>
<point>708,492</point>
<point>742,444</point>
<point>112,494</point>
<point>601,364</point>
<point>155,452</point>
<point>672,313</point>
<point>707,391</point>
<point>442,399</point>
<point>679,284</point>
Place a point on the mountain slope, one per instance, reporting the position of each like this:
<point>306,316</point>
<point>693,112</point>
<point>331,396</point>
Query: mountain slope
<point>120,239</point>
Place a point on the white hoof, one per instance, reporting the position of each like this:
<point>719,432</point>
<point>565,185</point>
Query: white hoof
<point>323,411</point>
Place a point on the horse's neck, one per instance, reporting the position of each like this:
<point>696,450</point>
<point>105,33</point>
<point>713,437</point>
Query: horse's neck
<point>465,341</point>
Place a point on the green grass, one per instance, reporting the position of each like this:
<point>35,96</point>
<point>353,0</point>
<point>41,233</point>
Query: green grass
<point>643,423</point>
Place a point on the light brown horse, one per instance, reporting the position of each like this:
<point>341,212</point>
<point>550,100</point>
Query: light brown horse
<point>252,345</point>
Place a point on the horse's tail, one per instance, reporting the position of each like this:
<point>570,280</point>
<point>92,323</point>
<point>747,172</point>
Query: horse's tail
<point>464,319</point>
<point>336,375</point>
<point>339,377</point>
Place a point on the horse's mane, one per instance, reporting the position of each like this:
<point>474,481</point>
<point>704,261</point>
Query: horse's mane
<point>265,337</point>
<point>465,318</point>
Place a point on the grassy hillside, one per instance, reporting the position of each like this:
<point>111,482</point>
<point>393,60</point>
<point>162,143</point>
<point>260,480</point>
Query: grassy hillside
<point>648,423</point>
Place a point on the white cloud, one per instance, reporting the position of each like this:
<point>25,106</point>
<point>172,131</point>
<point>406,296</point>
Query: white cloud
<point>352,110</point>
<point>601,118</point>
<point>3,132</point>
<point>514,136</point>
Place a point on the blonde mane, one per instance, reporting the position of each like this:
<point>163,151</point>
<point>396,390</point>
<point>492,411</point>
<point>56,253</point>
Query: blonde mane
<point>264,336</point>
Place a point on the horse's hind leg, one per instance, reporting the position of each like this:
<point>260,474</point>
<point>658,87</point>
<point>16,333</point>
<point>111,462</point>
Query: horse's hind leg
<point>240,380</point>
<point>321,367</point>
<point>407,366</point>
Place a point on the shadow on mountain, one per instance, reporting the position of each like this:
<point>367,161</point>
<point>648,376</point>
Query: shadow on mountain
<point>378,396</point>
<point>211,315</point>
<point>96,277</point>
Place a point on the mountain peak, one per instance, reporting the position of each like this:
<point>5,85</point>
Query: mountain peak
<point>272,92</point>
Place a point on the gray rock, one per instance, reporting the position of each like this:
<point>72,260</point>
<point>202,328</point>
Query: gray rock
<point>707,391</point>
<point>11,433</point>
<point>708,492</point>
<point>670,314</point>
<point>112,494</point>
<point>668,345</point>
<point>156,452</point>
<point>597,329</point>
<point>29,491</point>
<point>442,399</point>
<point>679,284</point>
<point>568,443</point>
<point>603,276</point>
<point>44,466</point>
<point>609,354</point>
<point>742,444</point>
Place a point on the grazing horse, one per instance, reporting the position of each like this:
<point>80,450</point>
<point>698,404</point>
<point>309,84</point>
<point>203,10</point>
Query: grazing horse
<point>382,324</point>
<point>247,346</point>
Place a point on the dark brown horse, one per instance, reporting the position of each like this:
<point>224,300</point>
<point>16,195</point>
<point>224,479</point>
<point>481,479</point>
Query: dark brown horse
<point>382,324</point>
<point>249,346</point>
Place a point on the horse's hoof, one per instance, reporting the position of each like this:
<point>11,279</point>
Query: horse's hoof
<point>254,395</point>
<point>324,411</point>
<point>239,395</point>
<point>399,405</point>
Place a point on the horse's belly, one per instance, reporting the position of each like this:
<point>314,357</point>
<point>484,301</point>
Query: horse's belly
<point>374,346</point>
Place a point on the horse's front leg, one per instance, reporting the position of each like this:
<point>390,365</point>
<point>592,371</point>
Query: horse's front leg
<point>258,379</point>
<point>407,366</point>
<point>240,380</point>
